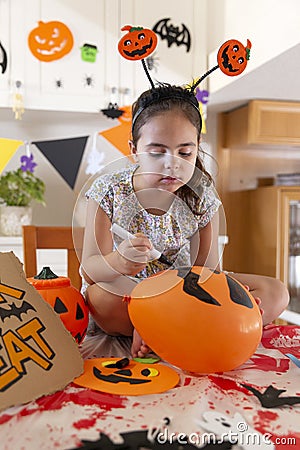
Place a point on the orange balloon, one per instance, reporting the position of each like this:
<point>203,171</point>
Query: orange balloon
<point>197,319</point>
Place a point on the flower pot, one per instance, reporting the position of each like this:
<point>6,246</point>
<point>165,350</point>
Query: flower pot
<point>12,218</point>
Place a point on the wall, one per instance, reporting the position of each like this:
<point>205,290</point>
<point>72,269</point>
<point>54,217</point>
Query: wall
<point>47,125</point>
<point>271,25</point>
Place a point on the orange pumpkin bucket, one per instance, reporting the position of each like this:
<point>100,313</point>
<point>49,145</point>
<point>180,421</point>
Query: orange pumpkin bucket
<point>65,299</point>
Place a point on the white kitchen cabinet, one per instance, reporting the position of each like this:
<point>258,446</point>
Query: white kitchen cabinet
<point>71,84</point>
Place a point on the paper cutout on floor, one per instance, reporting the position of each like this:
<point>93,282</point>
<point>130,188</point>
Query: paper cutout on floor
<point>234,430</point>
<point>270,398</point>
<point>102,374</point>
<point>37,355</point>
<point>8,148</point>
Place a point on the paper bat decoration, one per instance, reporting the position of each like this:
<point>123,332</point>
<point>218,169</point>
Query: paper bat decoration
<point>3,63</point>
<point>136,440</point>
<point>173,34</point>
<point>112,111</point>
<point>16,311</point>
<point>271,397</point>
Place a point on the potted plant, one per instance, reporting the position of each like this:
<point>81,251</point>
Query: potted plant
<point>18,189</point>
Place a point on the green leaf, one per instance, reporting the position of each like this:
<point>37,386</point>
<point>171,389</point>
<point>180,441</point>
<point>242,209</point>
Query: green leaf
<point>19,188</point>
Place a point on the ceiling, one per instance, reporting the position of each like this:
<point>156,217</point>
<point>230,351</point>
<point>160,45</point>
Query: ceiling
<point>277,79</point>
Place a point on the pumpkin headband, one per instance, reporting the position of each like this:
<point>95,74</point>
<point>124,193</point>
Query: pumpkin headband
<point>138,43</point>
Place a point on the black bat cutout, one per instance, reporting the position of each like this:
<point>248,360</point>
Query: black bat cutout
<point>3,63</point>
<point>16,311</point>
<point>173,34</point>
<point>113,111</point>
<point>138,440</point>
<point>271,397</point>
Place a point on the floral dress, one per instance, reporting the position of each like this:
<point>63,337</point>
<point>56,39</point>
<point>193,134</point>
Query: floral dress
<point>170,233</point>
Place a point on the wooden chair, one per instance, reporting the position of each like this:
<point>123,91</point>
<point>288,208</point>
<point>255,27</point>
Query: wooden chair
<point>42,237</point>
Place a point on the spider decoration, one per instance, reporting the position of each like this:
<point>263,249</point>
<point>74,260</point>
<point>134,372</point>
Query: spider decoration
<point>59,83</point>
<point>152,62</point>
<point>88,81</point>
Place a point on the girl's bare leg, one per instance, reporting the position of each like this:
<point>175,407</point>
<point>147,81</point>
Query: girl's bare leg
<point>272,292</point>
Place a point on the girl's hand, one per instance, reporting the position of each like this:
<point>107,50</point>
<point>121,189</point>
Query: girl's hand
<point>133,254</point>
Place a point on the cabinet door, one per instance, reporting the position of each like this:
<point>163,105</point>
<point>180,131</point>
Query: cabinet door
<point>174,61</point>
<point>71,82</point>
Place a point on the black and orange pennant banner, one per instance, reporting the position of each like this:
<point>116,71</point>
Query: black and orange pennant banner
<point>65,155</point>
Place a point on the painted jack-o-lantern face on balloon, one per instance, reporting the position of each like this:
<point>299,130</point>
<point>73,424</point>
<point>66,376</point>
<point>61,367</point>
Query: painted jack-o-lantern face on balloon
<point>126,377</point>
<point>197,319</point>
<point>233,57</point>
<point>65,299</point>
<point>138,43</point>
<point>50,41</point>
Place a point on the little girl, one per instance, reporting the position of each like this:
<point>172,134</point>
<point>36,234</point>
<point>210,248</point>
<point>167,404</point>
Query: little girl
<point>167,200</point>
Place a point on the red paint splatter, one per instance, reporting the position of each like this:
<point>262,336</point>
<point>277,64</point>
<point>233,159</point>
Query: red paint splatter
<point>5,418</point>
<point>84,423</point>
<point>226,385</point>
<point>82,397</point>
<point>268,363</point>
<point>267,416</point>
<point>187,381</point>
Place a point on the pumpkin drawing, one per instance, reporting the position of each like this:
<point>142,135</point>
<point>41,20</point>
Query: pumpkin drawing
<point>197,319</point>
<point>50,41</point>
<point>138,43</point>
<point>126,377</point>
<point>65,299</point>
<point>233,57</point>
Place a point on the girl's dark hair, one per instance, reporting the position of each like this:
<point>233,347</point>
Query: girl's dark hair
<point>166,97</point>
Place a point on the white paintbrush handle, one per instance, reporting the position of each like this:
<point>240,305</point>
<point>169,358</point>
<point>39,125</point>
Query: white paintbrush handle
<point>124,234</point>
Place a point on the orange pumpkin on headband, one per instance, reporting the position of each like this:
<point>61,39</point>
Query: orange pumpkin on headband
<point>65,299</point>
<point>196,319</point>
<point>138,43</point>
<point>233,57</point>
<point>50,41</point>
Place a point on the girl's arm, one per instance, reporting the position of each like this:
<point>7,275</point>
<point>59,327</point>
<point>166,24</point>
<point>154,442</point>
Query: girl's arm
<point>99,261</point>
<point>204,245</point>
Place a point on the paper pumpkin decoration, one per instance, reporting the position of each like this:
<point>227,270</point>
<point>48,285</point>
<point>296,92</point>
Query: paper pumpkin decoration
<point>197,319</point>
<point>132,378</point>
<point>65,299</point>
<point>50,41</point>
<point>233,57</point>
<point>138,43</point>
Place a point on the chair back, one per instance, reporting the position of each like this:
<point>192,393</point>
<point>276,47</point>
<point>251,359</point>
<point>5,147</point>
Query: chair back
<point>43,237</point>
